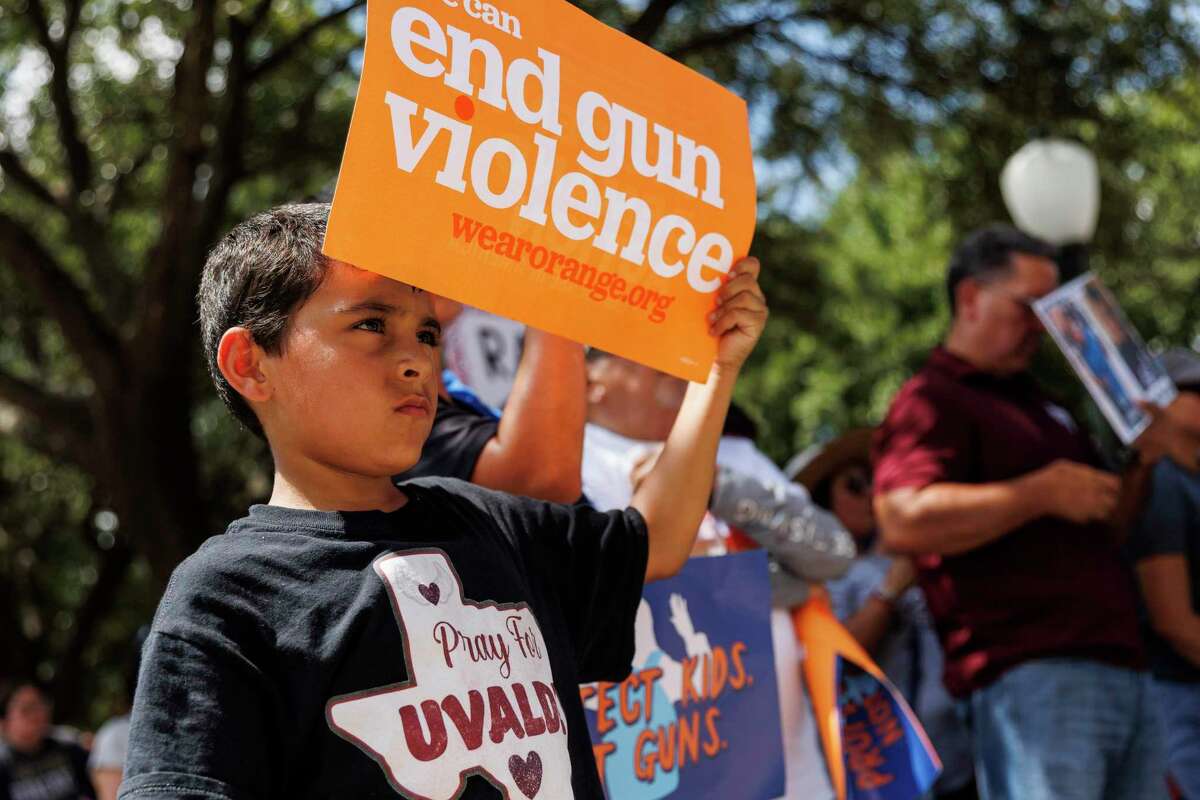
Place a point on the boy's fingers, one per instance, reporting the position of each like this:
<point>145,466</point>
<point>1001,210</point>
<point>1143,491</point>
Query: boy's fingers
<point>746,299</point>
<point>748,265</point>
<point>743,318</point>
<point>742,283</point>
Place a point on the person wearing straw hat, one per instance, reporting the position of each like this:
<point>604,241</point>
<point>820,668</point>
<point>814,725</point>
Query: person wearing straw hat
<point>879,604</point>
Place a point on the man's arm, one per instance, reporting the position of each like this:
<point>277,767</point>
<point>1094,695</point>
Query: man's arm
<point>106,782</point>
<point>674,494</point>
<point>1168,593</point>
<point>951,518</point>
<point>538,448</point>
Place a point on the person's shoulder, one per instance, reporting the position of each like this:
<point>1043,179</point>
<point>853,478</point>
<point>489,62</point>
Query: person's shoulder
<point>236,572</point>
<point>455,491</point>
<point>1169,476</point>
<point>455,496</point>
<point>69,748</point>
<point>113,727</point>
<point>929,382</point>
<point>226,553</point>
<point>926,394</point>
<point>1172,486</point>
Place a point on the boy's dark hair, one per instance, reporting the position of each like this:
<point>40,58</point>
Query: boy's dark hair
<point>987,253</point>
<point>255,277</point>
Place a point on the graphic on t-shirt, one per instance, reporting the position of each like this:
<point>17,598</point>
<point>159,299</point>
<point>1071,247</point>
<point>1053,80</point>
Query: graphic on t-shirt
<point>480,699</point>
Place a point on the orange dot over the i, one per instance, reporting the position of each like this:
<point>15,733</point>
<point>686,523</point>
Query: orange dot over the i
<point>464,107</point>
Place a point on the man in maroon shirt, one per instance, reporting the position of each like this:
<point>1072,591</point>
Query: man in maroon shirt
<point>1005,500</point>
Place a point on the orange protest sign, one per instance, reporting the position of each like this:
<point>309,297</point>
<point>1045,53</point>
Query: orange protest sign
<point>887,756</point>
<point>533,162</point>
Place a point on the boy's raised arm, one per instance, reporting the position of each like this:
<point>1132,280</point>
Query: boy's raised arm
<point>674,494</point>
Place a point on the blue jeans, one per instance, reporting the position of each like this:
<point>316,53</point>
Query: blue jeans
<point>1067,729</point>
<point>1179,706</point>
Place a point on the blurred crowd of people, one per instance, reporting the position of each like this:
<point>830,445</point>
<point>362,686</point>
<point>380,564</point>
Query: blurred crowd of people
<point>43,761</point>
<point>977,544</point>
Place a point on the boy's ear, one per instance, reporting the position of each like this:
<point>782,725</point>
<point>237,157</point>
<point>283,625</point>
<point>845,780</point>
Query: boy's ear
<point>240,361</point>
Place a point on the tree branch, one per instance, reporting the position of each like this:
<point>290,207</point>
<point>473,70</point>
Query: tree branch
<point>174,250</point>
<point>114,565</point>
<point>170,332</point>
<point>260,14</point>
<point>708,40</point>
<point>58,415</point>
<point>74,8</point>
<point>651,20</point>
<point>10,162</point>
<point>84,225</point>
<point>121,182</point>
<point>18,656</point>
<point>286,50</point>
<point>79,159</point>
<point>89,334</point>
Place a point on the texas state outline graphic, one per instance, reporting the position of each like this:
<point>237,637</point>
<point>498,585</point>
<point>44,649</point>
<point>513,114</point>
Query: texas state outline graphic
<point>479,700</point>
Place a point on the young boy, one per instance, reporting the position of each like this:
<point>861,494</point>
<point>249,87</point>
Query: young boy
<point>355,639</point>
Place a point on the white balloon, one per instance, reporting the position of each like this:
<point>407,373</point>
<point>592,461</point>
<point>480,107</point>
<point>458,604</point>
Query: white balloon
<point>1052,190</point>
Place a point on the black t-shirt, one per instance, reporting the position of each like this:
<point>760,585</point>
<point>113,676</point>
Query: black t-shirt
<point>458,436</point>
<point>308,654</point>
<point>58,771</point>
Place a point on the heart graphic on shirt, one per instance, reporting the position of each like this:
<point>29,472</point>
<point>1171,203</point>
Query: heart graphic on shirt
<point>527,772</point>
<point>430,592</point>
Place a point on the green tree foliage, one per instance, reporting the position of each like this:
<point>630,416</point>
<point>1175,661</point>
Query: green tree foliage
<point>856,294</point>
<point>874,308</point>
<point>146,129</point>
<point>133,133</point>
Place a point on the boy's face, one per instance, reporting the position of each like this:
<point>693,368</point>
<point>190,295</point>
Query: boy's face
<point>355,388</point>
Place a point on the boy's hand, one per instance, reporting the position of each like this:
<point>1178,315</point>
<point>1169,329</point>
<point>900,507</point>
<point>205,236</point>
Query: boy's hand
<point>740,315</point>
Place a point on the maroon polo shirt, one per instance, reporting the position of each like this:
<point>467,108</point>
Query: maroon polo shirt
<point>1049,588</point>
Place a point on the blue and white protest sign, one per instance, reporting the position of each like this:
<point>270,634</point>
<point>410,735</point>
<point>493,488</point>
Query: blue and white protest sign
<point>699,716</point>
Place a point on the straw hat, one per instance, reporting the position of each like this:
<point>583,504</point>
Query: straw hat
<point>818,462</point>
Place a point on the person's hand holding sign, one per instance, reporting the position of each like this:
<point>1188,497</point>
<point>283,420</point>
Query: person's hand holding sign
<point>740,315</point>
<point>674,493</point>
<point>1174,432</point>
